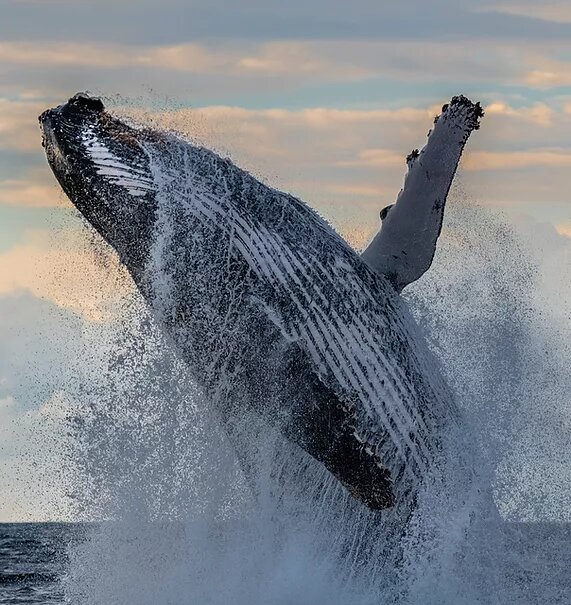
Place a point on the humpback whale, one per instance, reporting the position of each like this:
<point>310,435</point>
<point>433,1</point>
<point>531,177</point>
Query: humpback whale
<point>275,315</point>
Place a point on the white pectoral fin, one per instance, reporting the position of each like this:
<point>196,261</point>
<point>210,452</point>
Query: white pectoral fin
<point>404,247</point>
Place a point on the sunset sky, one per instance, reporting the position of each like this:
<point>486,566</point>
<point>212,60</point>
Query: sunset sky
<point>321,98</point>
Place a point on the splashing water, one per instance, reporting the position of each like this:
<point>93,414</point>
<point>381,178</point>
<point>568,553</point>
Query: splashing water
<point>185,528</point>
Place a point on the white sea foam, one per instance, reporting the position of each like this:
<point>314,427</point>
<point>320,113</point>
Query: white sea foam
<point>186,529</point>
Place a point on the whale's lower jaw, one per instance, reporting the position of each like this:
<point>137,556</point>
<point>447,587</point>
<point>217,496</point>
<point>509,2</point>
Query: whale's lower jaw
<point>275,313</point>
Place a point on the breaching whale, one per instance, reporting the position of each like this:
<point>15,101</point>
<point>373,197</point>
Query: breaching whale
<point>271,309</point>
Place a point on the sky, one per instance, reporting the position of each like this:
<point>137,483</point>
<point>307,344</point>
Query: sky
<point>321,98</point>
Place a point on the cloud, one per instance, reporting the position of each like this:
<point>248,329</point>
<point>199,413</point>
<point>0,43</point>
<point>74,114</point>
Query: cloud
<point>548,73</point>
<point>358,190</point>
<point>63,54</point>
<point>350,162</point>
<point>19,125</point>
<point>556,12</point>
<point>39,340</point>
<point>539,114</point>
<point>274,59</point>
<point>243,66</point>
<point>36,189</point>
<point>66,271</point>
<point>376,158</point>
<point>328,136</point>
<point>564,229</point>
<point>349,138</point>
<point>40,345</point>
<point>496,160</point>
<point>347,162</point>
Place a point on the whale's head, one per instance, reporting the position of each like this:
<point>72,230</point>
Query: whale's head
<point>102,166</point>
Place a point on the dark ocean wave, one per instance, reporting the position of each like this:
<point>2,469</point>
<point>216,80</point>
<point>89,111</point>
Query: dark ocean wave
<point>33,560</point>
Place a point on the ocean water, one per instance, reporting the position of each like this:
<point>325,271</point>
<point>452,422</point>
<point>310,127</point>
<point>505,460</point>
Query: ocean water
<point>35,566</point>
<point>34,559</point>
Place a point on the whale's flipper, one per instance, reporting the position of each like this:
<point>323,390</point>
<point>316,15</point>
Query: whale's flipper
<point>404,247</point>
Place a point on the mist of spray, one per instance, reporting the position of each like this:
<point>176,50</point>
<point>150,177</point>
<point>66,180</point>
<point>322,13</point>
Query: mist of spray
<point>183,524</point>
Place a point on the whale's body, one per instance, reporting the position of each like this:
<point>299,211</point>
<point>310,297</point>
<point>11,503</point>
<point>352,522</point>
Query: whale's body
<point>269,305</point>
<point>275,315</point>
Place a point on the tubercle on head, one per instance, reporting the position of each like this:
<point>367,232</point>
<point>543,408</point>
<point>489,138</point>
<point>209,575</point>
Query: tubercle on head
<point>85,101</point>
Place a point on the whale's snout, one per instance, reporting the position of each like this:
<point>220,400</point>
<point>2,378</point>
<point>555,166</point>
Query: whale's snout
<point>80,105</point>
<point>83,102</point>
<point>103,167</point>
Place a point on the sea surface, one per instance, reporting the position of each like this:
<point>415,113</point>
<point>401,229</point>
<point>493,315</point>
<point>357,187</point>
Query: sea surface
<point>33,560</point>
